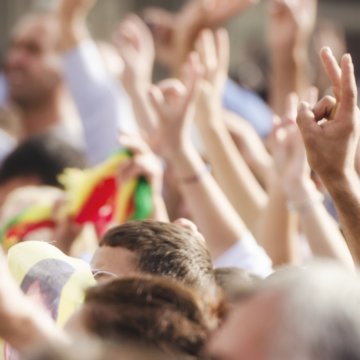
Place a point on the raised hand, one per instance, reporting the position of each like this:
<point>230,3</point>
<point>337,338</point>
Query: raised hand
<point>143,163</point>
<point>173,101</point>
<point>291,22</point>
<point>289,152</point>
<point>135,45</point>
<point>219,11</point>
<point>72,15</point>
<point>232,173</point>
<point>287,147</point>
<point>175,34</point>
<point>214,54</point>
<point>75,10</point>
<point>331,129</point>
<point>302,196</point>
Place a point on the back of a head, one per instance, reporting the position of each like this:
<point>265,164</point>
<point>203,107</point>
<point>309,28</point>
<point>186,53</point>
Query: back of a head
<point>320,313</point>
<point>165,249</point>
<point>92,348</point>
<point>43,157</point>
<point>236,284</point>
<point>151,312</point>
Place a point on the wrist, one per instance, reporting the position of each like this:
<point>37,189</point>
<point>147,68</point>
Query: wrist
<point>187,165</point>
<point>176,152</point>
<point>137,89</point>
<point>292,54</point>
<point>71,35</point>
<point>301,190</point>
<point>157,188</point>
<point>342,182</point>
<point>306,204</point>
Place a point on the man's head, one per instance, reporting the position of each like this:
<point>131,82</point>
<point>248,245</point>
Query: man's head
<point>33,66</point>
<point>297,314</point>
<point>156,248</point>
<point>150,312</point>
<point>38,161</point>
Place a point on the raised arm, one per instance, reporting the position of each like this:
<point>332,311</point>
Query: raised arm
<point>331,133</point>
<point>232,173</point>
<point>212,212</point>
<point>279,227</point>
<point>250,146</point>
<point>175,34</point>
<point>304,199</point>
<point>102,104</point>
<point>135,45</point>
<point>173,101</point>
<point>291,24</point>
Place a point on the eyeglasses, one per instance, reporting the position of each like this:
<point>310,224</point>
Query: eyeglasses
<point>101,274</point>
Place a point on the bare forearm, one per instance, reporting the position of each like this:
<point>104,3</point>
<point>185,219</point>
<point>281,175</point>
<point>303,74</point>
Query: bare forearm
<point>345,193</point>
<point>278,228</point>
<point>144,114</point>
<point>322,232</point>
<point>250,146</point>
<point>289,73</point>
<point>233,175</point>
<point>29,330</point>
<point>208,205</point>
<point>73,31</point>
<point>159,212</point>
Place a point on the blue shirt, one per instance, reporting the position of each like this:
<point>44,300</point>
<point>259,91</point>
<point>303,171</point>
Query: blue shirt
<point>249,106</point>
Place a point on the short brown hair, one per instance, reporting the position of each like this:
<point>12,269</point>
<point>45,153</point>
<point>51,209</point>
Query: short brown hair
<point>154,312</point>
<point>165,249</point>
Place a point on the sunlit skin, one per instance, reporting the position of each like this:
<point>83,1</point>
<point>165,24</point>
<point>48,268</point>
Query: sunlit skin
<point>109,263</point>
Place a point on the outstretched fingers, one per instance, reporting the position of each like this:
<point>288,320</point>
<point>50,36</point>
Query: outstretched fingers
<point>223,49</point>
<point>332,70</point>
<point>325,108</point>
<point>348,88</point>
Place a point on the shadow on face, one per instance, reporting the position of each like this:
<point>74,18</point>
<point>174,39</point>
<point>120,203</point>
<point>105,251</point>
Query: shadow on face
<point>32,63</point>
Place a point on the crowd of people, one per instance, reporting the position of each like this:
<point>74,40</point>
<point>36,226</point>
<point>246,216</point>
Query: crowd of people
<point>251,247</point>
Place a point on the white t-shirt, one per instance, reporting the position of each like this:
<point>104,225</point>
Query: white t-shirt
<point>103,106</point>
<point>248,255</point>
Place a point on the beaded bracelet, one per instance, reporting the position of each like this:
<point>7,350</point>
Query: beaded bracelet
<point>306,204</point>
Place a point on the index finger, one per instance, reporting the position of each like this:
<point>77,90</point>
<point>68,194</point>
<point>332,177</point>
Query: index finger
<point>332,70</point>
<point>348,85</point>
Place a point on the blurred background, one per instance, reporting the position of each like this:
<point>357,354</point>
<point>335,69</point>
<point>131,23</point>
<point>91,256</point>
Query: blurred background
<point>247,32</point>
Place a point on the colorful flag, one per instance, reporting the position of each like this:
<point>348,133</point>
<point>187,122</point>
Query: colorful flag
<point>92,196</point>
<point>31,219</point>
<point>95,195</point>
